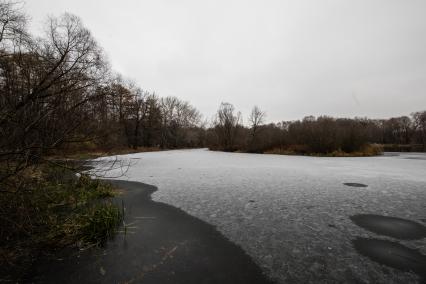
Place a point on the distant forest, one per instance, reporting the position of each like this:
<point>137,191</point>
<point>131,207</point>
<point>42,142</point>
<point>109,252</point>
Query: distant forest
<point>59,95</point>
<point>322,135</point>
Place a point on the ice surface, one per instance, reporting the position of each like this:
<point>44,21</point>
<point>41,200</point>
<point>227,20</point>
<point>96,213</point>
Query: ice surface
<point>291,213</point>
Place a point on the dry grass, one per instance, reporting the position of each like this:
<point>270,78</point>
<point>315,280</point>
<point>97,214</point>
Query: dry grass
<point>366,151</point>
<point>50,208</point>
<point>96,153</point>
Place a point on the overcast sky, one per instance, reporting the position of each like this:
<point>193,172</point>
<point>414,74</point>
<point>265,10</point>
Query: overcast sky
<point>291,58</point>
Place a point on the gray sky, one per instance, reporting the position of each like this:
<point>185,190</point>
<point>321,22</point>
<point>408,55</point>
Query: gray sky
<point>291,58</point>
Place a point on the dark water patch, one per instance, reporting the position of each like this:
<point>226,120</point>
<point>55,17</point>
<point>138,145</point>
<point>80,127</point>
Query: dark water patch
<point>355,184</point>
<point>416,158</point>
<point>161,244</point>
<point>391,154</point>
<point>390,226</point>
<point>392,254</point>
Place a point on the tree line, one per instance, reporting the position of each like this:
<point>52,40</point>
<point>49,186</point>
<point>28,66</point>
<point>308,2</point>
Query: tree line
<point>58,94</point>
<point>315,135</point>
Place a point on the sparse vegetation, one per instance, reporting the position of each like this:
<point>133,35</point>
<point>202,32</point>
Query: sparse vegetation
<point>53,209</point>
<point>366,151</point>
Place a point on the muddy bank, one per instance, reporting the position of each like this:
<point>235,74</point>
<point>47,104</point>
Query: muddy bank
<point>158,244</point>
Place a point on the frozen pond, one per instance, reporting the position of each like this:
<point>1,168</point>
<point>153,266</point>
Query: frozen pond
<point>292,213</point>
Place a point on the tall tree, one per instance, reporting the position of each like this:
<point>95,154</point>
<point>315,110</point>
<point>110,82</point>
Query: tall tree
<point>46,89</point>
<point>226,125</point>
<point>420,126</point>
<point>256,119</point>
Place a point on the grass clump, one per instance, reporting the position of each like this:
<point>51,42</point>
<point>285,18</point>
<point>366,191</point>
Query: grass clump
<point>50,208</point>
<point>81,213</point>
<point>98,222</point>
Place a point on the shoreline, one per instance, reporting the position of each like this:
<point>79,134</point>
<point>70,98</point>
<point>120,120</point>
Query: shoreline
<point>158,244</point>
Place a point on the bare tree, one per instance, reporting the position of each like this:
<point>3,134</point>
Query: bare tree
<point>256,119</point>
<point>168,106</point>
<point>13,24</point>
<point>152,123</point>
<point>420,126</point>
<point>177,117</point>
<point>139,113</point>
<point>226,125</point>
<point>46,92</point>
